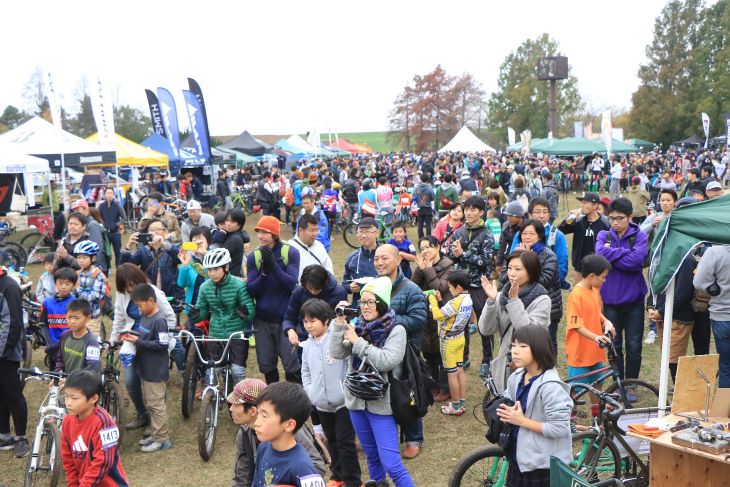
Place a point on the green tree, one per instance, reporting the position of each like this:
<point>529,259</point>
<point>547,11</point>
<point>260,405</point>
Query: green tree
<point>521,101</point>
<point>83,124</point>
<point>12,117</point>
<point>132,123</point>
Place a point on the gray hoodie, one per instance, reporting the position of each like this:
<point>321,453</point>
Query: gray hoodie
<point>322,375</point>
<point>713,268</point>
<point>549,403</point>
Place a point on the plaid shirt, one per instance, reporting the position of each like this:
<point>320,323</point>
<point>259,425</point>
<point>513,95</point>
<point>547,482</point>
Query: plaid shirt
<point>92,288</point>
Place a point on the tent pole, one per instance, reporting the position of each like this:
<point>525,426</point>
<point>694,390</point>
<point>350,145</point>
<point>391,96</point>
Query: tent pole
<point>666,343</point>
<point>63,184</point>
<point>50,194</point>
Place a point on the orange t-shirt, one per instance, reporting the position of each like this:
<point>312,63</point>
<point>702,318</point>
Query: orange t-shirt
<point>584,311</point>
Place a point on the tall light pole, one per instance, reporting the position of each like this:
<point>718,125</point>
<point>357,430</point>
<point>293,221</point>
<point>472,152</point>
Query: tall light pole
<point>552,68</point>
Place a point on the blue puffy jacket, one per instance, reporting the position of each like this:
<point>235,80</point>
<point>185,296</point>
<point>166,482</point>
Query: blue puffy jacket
<point>411,308</point>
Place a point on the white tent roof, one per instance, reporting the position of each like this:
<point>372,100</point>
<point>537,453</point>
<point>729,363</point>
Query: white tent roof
<point>466,141</point>
<point>12,163</point>
<point>300,143</point>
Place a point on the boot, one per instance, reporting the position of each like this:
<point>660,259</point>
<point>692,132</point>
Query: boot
<point>271,377</point>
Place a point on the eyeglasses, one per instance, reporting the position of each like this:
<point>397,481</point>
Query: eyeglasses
<point>368,304</point>
<point>617,218</point>
<point>156,230</point>
<point>365,234</point>
<point>529,234</point>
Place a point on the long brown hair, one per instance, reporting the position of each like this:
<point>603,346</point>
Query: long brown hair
<point>95,214</point>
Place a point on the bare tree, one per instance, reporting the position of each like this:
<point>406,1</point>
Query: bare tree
<point>34,93</point>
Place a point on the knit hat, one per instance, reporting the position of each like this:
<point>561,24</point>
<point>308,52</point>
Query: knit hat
<point>269,224</point>
<point>515,208</point>
<point>635,180</point>
<point>246,391</point>
<point>381,287</point>
<point>299,174</point>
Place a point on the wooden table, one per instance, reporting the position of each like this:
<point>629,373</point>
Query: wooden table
<point>678,466</point>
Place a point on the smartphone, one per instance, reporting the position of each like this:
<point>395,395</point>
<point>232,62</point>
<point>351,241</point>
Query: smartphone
<point>131,332</point>
<point>144,238</point>
<point>191,246</point>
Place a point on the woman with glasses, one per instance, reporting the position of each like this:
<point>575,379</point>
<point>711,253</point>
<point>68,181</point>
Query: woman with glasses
<point>376,344</point>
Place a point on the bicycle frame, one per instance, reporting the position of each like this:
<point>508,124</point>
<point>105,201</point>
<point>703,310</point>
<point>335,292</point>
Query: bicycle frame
<point>50,411</point>
<point>610,370</point>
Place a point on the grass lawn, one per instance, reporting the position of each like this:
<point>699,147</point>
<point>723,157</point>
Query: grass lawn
<point>446,438</point>
<point>375,140</point>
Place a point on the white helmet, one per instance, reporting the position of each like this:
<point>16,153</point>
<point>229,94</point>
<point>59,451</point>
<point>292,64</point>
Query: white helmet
<point>216,258</point>
<point>193,205</point>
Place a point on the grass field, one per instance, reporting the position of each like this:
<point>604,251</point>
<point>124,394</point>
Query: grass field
<point>447,438</point>
<point>375,140</point>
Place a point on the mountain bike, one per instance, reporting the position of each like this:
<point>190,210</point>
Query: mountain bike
<point>111,397</point>
<point>12,249</point>
<point>39,243</point>
<point>384,232</point>
<point>34,336</point>
<point>214,396</point>
<point>44,462</point>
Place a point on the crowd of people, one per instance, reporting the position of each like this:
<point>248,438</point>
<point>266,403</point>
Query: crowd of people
<point>490,258</point>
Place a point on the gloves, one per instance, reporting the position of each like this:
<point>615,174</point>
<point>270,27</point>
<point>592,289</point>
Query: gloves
<point>267,260</point>
<point>193,314</point>
<point>242,312</point>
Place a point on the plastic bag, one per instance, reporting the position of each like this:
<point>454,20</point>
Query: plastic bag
<point>127,353</point>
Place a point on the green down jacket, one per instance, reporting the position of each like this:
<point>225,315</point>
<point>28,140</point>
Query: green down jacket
<point>218,303</point>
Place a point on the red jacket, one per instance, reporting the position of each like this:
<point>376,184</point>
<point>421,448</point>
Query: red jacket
<point>90,451</point>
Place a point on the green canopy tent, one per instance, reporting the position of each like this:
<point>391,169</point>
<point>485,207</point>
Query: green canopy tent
<point>684,229</point>
<point>617,147</point>
<point>518,146</point>
<point>572,146</point>
<point>641,143</point>
<point>241,158</point>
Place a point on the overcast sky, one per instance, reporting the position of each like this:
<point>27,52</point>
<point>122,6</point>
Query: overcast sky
<point>275,67</point>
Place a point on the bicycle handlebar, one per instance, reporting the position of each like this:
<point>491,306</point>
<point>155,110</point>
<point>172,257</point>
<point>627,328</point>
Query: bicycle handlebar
<point>194,340</point>
<point>113,345</point>
<point>35,371</point>
<point>612,415</point>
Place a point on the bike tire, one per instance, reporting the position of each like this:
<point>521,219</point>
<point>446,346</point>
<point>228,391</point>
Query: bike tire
<point>351,238</point>
<point>487,397</point>
<point>35,246</point>
<point>22,253</point>
<point>647,395</point>
<point>485,465</point>
<point>10,258</point>
<point>48,464</point>
<point>27,363</point>
<point>115,406</point>
<point>134,217</point>
<point>190,382</point>
<point>589,463</point>
<point>206,426</point>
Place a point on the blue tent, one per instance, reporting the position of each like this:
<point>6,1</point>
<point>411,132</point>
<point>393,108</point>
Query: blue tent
<point>188,159</point>
<point>284,144</point>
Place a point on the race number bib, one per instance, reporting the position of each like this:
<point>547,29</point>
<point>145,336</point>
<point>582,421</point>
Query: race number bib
<point>163,338</point>
<point>109,437</point>
<point>92,354</point>
<point>313,480</point>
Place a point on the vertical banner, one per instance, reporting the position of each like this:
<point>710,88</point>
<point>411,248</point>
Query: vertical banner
<point>337,137</point>
<point>101,106</point>
<point>314,140</point>
<point>55,110</point>
<point>606,127</point>
<point>578,127</point>
<point>169,119</point>
<point>195,88</point>
<point>155,114</point>
<point>706,127</point>
<point>727,129</point>
<point>550,139</point>
<point>589,131</point>
<point>510,136</point>
<point>526,138</point>
<point>197,124</point>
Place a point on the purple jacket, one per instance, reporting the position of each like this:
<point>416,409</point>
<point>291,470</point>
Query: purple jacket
<point>625,283</point>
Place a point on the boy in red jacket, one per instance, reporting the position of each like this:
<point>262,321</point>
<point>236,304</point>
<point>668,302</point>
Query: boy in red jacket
<point>89,436</point>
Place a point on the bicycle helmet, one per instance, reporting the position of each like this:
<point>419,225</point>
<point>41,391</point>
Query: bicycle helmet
<point>216,258</point>
<point>367,182</point>
<point>368,386</point>
<point>86,247</point>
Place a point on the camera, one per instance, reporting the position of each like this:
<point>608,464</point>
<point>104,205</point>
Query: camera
<point>143,238</point>
<point>343,311</point>
<point>714,289</point>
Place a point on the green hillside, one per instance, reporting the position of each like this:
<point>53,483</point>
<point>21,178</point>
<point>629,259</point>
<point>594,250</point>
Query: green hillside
<point>374,140</point>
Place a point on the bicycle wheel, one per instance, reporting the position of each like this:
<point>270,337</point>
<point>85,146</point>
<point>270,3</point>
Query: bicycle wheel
<point>22,253</point>
<point>591,463</point>
<point>206,426</point>
<point>190,382</point>
<point>9,257</point>
<point>36,246</point>
<point>647,395</point>
<point>47,468</point>
<point>487,397</point>
<point>350,236</point>
<point>134,216</point>
<point>113,402</point>
<point>484,466</point>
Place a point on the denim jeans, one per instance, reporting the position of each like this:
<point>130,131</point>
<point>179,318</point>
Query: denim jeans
<point>628,319</point>
<point>134,388</point>
<point>378,437</point>
<point>414,433</point>
<point>721,330</point>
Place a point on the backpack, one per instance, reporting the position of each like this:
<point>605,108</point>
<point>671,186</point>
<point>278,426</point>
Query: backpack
<point>106,302</point>
<point>107,251</point>
<point>283,191</point>
<point>411,395</point>
<point>289,197</point>
<point>632,242</point>
<point>552,236</point>
<point>700,299</point>
<point>534,192</point>
<point>284,256</point>
<point>524,200</point>
<point>444,202</point>
<point>319,446</point>
<point>499,432</point>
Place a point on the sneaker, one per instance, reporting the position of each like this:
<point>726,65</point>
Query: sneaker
<point>145,441</point>
<point>472,328</point>
<point>467,365</point>
<point>565,285</point>
<point>147,432</point>
<point>484,371</point>
<point>650,338</point>
<point>21,448</point>
<point>139,422</point>
<point>7,444</point>
<point>631,395</point>
<point>450,411</point>
<point>156,446</point>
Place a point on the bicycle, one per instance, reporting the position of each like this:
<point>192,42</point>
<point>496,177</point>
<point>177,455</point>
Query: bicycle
<point>34,336</point>
<point>39,243</point>
<point>595,454</point>
<point>12,251</point>
<point>111,397</point>
<point>213,398</point>
<point>44,463</point>
<point>384,232</point>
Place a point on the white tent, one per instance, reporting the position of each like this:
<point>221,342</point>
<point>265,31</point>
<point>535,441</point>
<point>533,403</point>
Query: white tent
<point>301,144</point>
<point>12,162</point>
<point>466,141</point>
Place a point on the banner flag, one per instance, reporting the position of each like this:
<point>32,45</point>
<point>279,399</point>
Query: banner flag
<point>55,108</point>
<point>727,129</point>
<point>606,127</point>
<point>103,110</point>
<point>155,114</point>
<point>197,125</point>
<point>169,119</point>
<point>550,138</point>
<point>578,127</point>
<point>510,136</point>
<point>526,138</point>
<point>195,88</point>
<point>337,137</point>
<point>706,126</point>
<point>589,131</point>
<point>314,140</point>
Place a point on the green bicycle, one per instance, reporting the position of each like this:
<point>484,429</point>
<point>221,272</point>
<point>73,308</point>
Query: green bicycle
<point>384,230</point>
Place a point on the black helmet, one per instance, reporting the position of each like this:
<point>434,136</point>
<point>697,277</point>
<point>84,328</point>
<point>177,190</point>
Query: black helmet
<point>368,386</point>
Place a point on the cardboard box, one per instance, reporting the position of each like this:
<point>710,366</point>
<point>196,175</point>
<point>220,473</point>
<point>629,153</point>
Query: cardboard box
<point>18,222</point>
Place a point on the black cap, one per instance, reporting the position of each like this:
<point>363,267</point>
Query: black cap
<point>367,222</point>
<point>592,197</point>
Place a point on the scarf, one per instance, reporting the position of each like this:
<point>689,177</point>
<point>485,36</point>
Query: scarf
<point>527,294</point>
<point>375,332</point>
<point>537,247</point>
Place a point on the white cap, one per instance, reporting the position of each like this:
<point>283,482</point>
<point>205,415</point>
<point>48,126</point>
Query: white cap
<point>193,205</point>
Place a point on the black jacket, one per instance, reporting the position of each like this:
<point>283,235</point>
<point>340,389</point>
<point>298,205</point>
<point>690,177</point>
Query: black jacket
<point>234,243</point>
<point>684,291</point>
<point>505,240</point>
<point>12,334</point>
<point>197,187</point>
<point>585,234</point>
<point>113,215</point>
<point>221,188</point>
<point>691,186</point>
